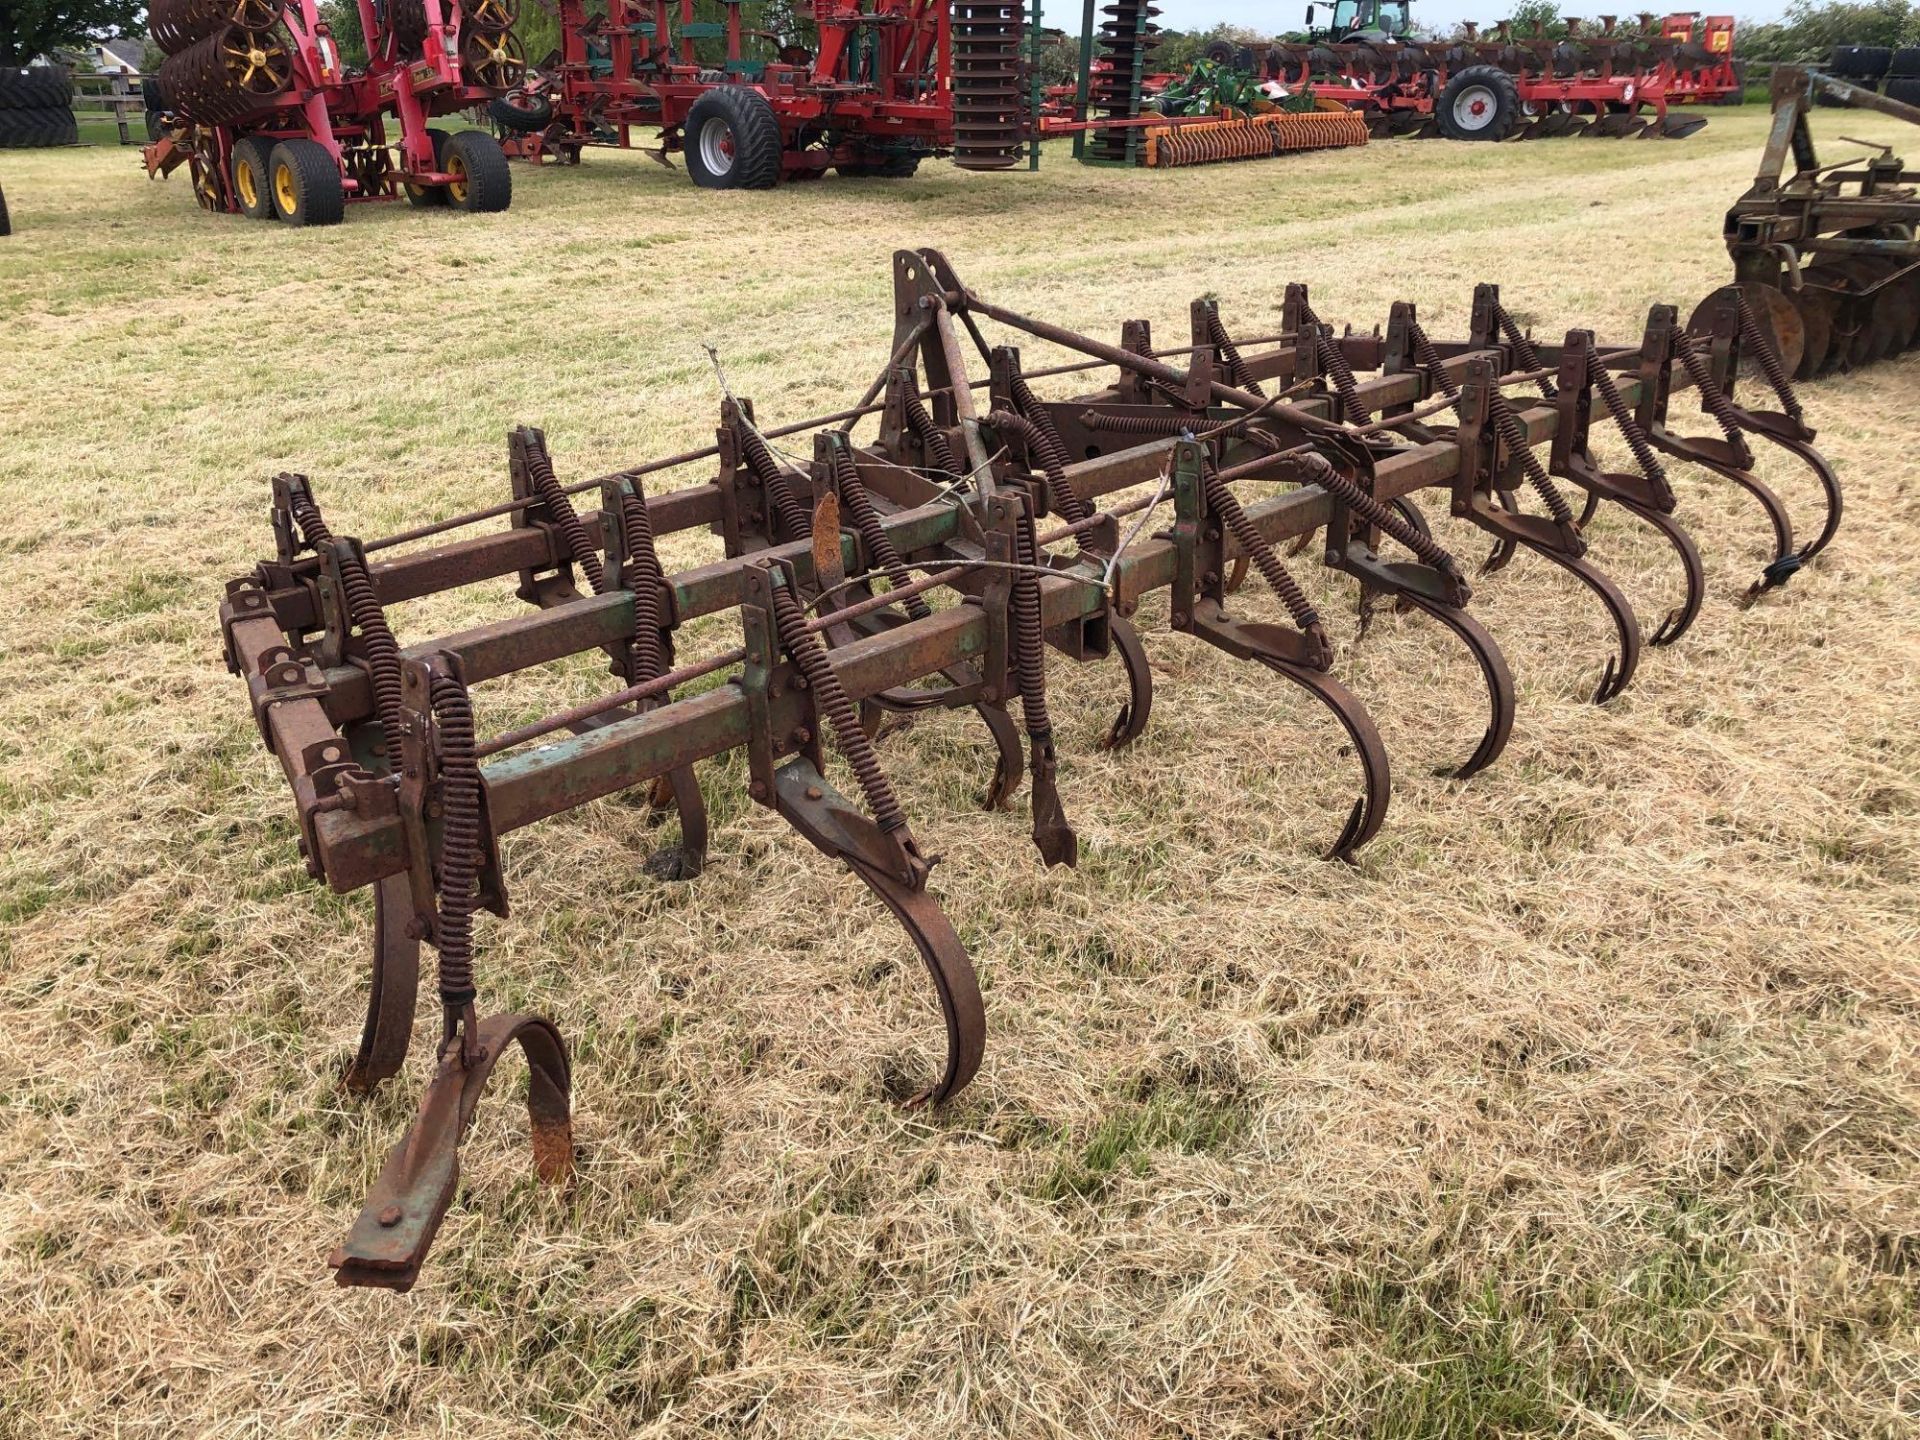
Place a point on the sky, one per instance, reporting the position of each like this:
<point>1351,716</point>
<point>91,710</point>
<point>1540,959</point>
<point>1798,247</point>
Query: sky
<point>1443,15</point>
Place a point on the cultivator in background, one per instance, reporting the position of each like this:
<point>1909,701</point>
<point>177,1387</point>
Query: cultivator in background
<point>253,99</point>
<point>1829,256</point>
<point>888,85</point>
<point>928,567</point>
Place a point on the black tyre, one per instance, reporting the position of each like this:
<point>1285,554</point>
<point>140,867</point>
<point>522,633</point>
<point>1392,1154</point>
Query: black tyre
<point>35,87</point>
<point>6,221</point>
<point>307,189</point>
<point>482,183</point>
<point>1480,103</point>
<point>252,178</point>
<point>732,140</point>
<point>1218,52</point>
<point>38,129</point>
<point>1905,89</point>
<point>1860,62</point>
<point>430,197</point>
<point>520,112</point>
<point>1906,61</point>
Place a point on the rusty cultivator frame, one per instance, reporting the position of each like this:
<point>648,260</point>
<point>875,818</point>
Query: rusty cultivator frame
<point>930,567</point>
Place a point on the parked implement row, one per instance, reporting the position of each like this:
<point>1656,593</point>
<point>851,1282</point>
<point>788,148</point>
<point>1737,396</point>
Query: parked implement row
<point>254,101</point>
<point>1830,255</point>
<point>890,84</point>
<point>1037,523</point>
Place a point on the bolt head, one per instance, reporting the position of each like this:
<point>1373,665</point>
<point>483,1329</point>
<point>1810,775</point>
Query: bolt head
<point>758,789</point>
<point>391,1216</point>
<point>814,792</point>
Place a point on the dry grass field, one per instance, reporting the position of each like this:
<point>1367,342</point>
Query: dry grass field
<point>1584,1106</point>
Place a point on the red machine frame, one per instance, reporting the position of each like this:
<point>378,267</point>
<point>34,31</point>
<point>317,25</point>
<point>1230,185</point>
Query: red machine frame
<point>345,112</point>
<point>848,104</point>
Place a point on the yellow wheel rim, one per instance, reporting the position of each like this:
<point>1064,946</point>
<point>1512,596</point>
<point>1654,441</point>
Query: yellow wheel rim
<point>283,188</point>
<point>244,183</point>
<point>457,187</point>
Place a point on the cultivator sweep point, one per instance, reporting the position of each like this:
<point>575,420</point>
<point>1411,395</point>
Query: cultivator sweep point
<point>1253,137</point>
<point>929,567</point>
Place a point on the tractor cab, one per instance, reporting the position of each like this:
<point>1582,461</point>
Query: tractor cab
<point>1352,20</point>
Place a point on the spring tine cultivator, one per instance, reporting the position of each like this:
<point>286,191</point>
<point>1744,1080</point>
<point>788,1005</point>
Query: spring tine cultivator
<point>929,567</point>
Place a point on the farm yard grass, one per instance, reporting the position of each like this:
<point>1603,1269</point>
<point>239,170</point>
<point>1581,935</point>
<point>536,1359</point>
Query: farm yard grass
<point>1584,1106</point>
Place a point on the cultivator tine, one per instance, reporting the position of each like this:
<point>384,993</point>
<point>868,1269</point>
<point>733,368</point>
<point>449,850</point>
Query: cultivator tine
<point>392,991</point>
<point>389,1241</point>
<point>910,574</point>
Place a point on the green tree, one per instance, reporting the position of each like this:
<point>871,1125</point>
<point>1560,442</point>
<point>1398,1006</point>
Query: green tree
<point>30,28</point>
<point>1808,32</point>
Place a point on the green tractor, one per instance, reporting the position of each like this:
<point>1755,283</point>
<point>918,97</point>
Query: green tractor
<point>1357,20</point>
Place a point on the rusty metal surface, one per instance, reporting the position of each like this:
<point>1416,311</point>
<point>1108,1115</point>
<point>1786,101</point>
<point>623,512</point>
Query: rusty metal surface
<point>942,565</point>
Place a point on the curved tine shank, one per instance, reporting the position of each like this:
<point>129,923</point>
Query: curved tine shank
<point>1008,758</point>
<point>1619,672</point>
<point>1493,669</point>
<point>1403,506</point>
<point>1502,553</point>
<point>1132,719</point>
<point>388,1242</point>
<point>1822,471</point>
<point>1237,573</point>
<point>828,822</point>
<point>1268,644</point>
<point>1679,619</point>
<point>1702,453</point>
<point>391,991</point>
<point>1588,510</point>
<point>691,806</point>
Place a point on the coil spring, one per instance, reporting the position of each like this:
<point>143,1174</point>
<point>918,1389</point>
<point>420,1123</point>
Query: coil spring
<point>1230,354</point>
<point>792,514</point>
<point>1222,502</point>
<point>547,485</point>
<point>933,440</point>
<point>1053,453</point>
<point>1319,471</point>
<point>1602,380</point>
<point>831,699</point>
<point>1029,645</point>
<point>1760,342</point>
<point>460,844</point>
<point>1333,360</point>
<point>1043,448</point>
<point>867,521</point>
<point>363,609</point>
<point>1713,399</point>
<point>646,658</point>
<point>1515,436</point>
<point>1523,350</point>
<point>1430,361</point>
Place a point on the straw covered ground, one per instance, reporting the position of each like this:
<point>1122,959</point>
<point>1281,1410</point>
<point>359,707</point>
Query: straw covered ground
<point>1584,1106</point>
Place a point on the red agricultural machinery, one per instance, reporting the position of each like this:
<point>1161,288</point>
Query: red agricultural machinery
<point>257,103</point>
<point>891,83</point>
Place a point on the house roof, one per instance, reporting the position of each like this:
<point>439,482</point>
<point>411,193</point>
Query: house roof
<point>115,53</point>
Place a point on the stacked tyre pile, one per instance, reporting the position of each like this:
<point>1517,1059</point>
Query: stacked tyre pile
<point>1895,73</point>
<point>36,108</point>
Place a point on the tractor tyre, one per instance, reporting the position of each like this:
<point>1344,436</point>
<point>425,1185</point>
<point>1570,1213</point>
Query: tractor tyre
<point>1218,52</point>
<point>252,179</point>
<point>521,112</point>
<point>6,222</point>
<point>484,182</point>
<point>1905,89</point>
<point>35,87</point>
<point>1906,61</point>
<point>38,129</point>
<point>1860,62</point>
<point>733,140</point>
<point>1480,103</point>
<point>307,189</point>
